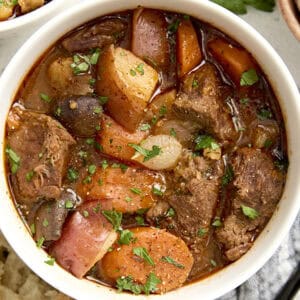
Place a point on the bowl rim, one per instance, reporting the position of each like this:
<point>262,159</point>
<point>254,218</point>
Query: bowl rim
<point>217,284</point>
<point>30,17</point>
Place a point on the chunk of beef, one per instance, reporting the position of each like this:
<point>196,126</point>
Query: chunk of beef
<point>42,145</point>
<point>197,183</point>
<point>202,99</point>
<point>259,185</point>
<point>96,36</point>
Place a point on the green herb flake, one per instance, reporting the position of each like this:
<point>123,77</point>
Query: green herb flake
<point>145,127</point>
<point>140,69</point>
<point>98,110</point>
<point>114,217</point>
<point>95,56</point>
<point>136,191</point>
<point>249,212</point>
<point>104,164</point>
<point>156,190</point>
<point>50,261</point>
<point>83,154</point>
<point>69,204</point>
<point>206,141</point>
<point>154,120</point>
<point>29,176</point>
<point>127,284</point>
<point>202,232</point>
<point>58,111</point>
<point>92,169</point>
<point>140,220</point>
<point>32,229</point>
<point>45,98</point>
<point>87,180</point>
<point>228,176</point>
<point>103,100</point>
<point>170,213</point>
<point>249,78</point>
<point>72,174</point>
<point>151,283</point>
<point>128,199</point>
<point>217,222</point>
<point>143,253</point>
<point>14,160</point>
<point>173,132</point>
<point>171,261</point>
<point>148,154</point>
<point>40,242</point>
<point>213,263</point>
<point>264,114</point>
<point>85,213</point>
<point>90,141</point>
<point>162,110</point>
<point>45,223</point>
<point>132,72</point>
<point>195,83</point>
<point>126,237</point>
<point>92,81</point>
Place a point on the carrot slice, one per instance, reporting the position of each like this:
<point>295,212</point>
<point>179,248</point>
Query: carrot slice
<point>234,60</point>
<point>170,259</point>
<point>188,50</point>
<point>129,190</point>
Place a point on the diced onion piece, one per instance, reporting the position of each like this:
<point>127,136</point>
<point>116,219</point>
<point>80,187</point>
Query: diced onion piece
<point>168,156</point>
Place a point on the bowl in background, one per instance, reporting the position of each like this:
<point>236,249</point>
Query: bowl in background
<point>284,87</point>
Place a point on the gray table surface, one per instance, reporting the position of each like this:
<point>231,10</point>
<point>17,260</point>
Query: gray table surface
<point>270,279</point>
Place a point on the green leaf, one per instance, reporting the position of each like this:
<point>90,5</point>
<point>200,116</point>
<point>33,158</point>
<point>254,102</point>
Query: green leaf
<point>249,77</point>
<point>114,217</point>
<point>171,261</point>
<point>50,261</point>
<point>140,69</point>
<point>127,284</point>
<point>206,141</point>
<point>264,5</point>
<point>126,237</point>
<point>156,190</point>
<point>72,174</point>
<point>228,176</point>
<point>143,253</point>
<point>140,220</point>
<point>92,169</point>
<point>236,6</point>
<point>45,98</point>
<point>40,242</point>
<point>202,231</point>
<point>145,127</point>
<point>264,114</point>
<point>217,222</point>
<point>95,56</point>
<point>136,191</point>
<point>170,213</point>
<point>249,212</point>
<point>148,154</point>
<point>151,283</point>
<point>14,160</point>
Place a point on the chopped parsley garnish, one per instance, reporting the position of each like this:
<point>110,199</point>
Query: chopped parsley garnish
<point>249,77</point>
<point>156,190</point>
<point>92,169</point>
<point>264,114</point>
<point>50,261</point>
<point>103,100</point>
<point>171,261</point>
<point>195,83</point>
<point>249,212</point>
<point>172,28</point>
<point>104,164</point>
<point>81,64</point>
<point>151,283</point>
<point>45,223</point>
<point>239,6</point>
<point>170,213</point>
<point>114,217</point>
<point>140,69</point>
<point>72,174</point>
<point>58,111</point>
<point>217,222</point>
<point>228,176</point>
<point>85,213</point>
<point>14,160</point>
<point>40,242</point>
<point>126,237</point>
<point>162,110</point>
<point>45,98</point>
<point>144,127</point>
<point>29,176</point>
<point>87,180</point>
<point>98,110</point>
<point>132,72</point>
<point>136,191</point>
<point>143,253</point>
<point>206,141</point>
<point>69,204</point>
<point>127,284</point>
<point>95,56</point>
<point>140,220</point>
<point>92,81</point>
<point>202,231</point>
<point>148,154</point>
<point>173,132</point>
<point>154,120</point>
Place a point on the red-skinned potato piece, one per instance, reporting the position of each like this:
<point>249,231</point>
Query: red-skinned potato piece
<point>150,23</point>
<point>114,139</point>
<point>234,60</point>
<point>189,54</point>
<point>128,82</point>
<point>85,239</point>
<point>160,246</point>
<point>128,190</point>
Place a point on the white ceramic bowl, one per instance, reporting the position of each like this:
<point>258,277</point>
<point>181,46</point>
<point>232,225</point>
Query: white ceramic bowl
<point>284,87</point>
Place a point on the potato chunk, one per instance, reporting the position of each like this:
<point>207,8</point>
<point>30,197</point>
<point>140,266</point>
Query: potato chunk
<point>29,5</point>
<point>171,258</point>
<point>188,50</point>
<point>6,11</point>
<point>128,82</point>
<point>129,190</point>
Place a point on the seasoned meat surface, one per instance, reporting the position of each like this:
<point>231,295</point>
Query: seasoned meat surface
<point>42,145</point>
<point>258,185</point>
<point>202,99</point>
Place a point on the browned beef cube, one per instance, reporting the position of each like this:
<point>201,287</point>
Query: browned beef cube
<point>202,99</point>
<point>259,186</point>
